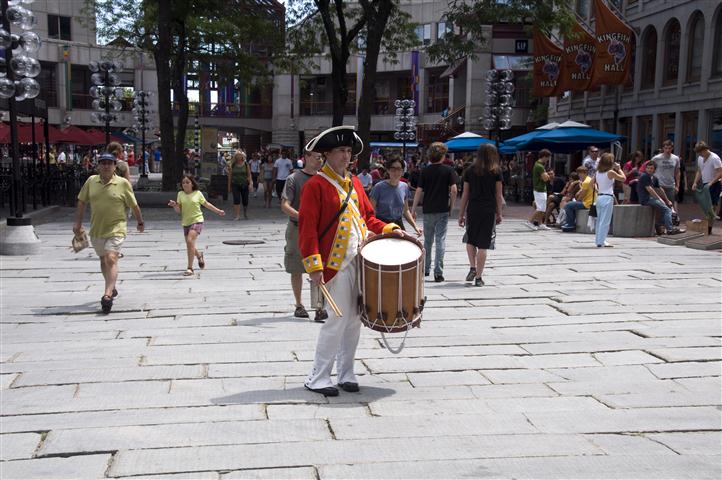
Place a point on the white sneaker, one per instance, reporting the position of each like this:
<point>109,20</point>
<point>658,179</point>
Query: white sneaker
<point>531,226</point>
<point>543,227</point>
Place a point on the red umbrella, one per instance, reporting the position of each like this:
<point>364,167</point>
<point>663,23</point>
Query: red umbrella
<point>4,133</point>
<point>78,136</point>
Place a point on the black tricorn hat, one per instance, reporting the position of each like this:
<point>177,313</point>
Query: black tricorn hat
<point>343,136</point>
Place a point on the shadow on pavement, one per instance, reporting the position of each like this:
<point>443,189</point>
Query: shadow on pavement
<point>301,394</point>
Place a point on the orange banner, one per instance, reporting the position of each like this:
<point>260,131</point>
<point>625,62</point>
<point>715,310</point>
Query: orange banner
<point>613,62</point>
<point>548,67</point>
<point>579,52</point>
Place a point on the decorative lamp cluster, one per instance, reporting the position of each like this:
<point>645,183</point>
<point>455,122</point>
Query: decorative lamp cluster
<point>142,111</point>
<point>106,91</point>
<point>17,75</point>
<point>405,120</point>
<point>499,91</point>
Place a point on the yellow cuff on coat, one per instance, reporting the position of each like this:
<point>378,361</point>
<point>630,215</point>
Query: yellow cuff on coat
<point>390,227</point>
<point>313,263</point>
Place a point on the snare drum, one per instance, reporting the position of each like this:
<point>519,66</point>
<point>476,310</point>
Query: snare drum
<point>391,278</point>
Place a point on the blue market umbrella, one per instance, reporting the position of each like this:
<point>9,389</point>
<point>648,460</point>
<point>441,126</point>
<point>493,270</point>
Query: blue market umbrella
<point>509,146</point>
<point>466,142</point>
<point>570,139</point>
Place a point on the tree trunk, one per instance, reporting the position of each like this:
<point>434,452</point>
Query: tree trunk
<point>179,94</point>
<point>172,171</point>
<point>340,90</point>
<point>376,25</point>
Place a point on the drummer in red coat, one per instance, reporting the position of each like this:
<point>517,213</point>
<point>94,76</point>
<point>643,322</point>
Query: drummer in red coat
<point>333,220</point>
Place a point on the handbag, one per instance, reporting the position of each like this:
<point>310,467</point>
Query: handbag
<point>592,210</point>
<point>80,241</point>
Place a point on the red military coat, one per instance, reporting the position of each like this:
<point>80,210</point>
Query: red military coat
<point>319,204</point>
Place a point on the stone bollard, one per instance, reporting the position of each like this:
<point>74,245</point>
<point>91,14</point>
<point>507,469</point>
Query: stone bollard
<point>633,221</point>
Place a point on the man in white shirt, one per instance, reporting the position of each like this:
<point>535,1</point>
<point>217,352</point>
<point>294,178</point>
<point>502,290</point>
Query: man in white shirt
<point>591,160</point>
<point>62,158</point>
<point>255,164</point>
<point>282,168</point>
<point>668,171</point>
<point>709,173</point>
<point>366,179</point>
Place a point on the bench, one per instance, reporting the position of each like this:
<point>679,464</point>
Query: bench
<point>582,218</point>
<point>633,221</point>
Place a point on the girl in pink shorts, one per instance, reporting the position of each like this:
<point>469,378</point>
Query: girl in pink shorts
<point>188,204</point>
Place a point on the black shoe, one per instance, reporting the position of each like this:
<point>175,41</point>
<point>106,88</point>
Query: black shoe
<point>478,282</point>
<point>350,387</point>
<point>115,293</point>
<point>321,316</point>
<point>326,391</point>
<point>438,278</point>
<point>426,274</point>
<point>106,303</point>
<point>300,312</point>
<point>470,276</point>
<point>674,231</point>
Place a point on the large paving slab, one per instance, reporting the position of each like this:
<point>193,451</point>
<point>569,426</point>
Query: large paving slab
<point>571,362</point>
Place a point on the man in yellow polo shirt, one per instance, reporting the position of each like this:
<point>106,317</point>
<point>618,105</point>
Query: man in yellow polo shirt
<point>583,199</point>
<point>109,196</point>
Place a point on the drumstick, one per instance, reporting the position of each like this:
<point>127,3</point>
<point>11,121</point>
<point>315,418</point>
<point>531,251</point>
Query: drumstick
<point>330,300</point>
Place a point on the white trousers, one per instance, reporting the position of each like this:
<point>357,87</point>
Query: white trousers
<point>339,336</point>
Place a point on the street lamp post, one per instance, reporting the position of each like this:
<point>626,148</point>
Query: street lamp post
<point>18,70</point>
<point>141,112</point>
<point>405,123</point>
<point>106,93</point>
<point>499,99</point>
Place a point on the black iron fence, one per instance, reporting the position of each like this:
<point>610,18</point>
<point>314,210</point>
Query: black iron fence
<point>41,186</point>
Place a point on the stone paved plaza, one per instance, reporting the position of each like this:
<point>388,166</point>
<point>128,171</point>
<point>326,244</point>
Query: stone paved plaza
<point>572,362</point>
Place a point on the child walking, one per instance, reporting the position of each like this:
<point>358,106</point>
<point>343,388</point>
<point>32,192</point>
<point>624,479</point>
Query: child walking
<point>188,204</point>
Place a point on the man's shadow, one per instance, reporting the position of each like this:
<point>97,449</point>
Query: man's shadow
<point>301,394</point>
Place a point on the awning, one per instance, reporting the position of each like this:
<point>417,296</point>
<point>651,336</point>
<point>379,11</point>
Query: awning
<point>453,68</point>
<point>99,136</point>
<point>393,144</point>
<point>77,136</point>
<point>25,133</point>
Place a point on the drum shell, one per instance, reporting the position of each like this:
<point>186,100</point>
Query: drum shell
<point>387,284</point>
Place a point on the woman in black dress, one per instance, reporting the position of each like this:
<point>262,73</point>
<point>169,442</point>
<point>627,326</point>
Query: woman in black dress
<point>480,209</point>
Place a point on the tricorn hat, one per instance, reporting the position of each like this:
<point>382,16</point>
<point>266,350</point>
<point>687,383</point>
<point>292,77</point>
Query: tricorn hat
<point>343,136</point>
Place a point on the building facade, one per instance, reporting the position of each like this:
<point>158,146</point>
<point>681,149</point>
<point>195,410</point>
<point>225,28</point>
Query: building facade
<point>68,46</point>
<point>676,92</point>
<point>450,97</point>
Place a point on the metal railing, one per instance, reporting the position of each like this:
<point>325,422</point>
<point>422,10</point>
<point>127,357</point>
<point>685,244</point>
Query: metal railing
<point>41,185</point>
<point>228,110</point>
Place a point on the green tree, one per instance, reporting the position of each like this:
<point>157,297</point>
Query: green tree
<point>188,33</point>
<point>339,29</point>
<point>469,20</point>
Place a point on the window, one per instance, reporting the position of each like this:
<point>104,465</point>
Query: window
<point>59,27</point>
<point>48,83</point>
<point>649,57</point>
<point>672,39</point>
<point>443,29</point>
<point>695,47</point>
<point>423,32</point>
<point>644,135</point>
<point>80,86</point>
<point>437,91</point>
<point>717,63</point>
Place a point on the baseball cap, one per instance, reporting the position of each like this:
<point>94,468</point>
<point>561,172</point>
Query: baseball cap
<point>106,156</point>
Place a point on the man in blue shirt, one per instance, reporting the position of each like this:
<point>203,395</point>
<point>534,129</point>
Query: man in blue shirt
<point>650,194</point>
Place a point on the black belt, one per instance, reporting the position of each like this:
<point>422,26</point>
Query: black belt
<point>608,194</point>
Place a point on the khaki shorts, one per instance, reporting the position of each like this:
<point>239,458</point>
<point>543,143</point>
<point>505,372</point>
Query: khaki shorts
<point>109,244</point>
<point>292,260</point>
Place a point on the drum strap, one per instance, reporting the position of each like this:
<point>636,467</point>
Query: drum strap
<point>344,205</point>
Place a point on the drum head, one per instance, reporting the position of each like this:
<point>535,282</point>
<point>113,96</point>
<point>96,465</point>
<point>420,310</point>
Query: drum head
<point>391,251</point>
